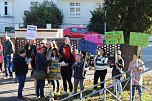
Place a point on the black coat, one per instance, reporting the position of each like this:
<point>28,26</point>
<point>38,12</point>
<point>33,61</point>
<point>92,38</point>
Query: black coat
<point>70,62</point>
<point>20,66</point>
<point>116,71</point>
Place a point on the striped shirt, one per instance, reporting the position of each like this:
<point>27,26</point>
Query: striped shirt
<point>101,63</point>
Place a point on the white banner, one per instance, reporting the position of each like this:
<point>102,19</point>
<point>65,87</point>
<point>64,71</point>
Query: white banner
<point>31,32</point>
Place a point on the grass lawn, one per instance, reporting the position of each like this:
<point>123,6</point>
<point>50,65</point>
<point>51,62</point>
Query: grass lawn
<point>147,95</point>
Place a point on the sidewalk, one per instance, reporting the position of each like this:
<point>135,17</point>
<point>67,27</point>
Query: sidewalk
<point>8,87</point>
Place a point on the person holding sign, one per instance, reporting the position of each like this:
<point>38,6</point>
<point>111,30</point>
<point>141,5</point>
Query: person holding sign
<point>138,80</point>
<point>66,61</point>
<point>55,56</point>
<point>101,68</point>
<point>117,66</point>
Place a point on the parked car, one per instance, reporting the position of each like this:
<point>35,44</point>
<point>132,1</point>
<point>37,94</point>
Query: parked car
<point>76,32</point>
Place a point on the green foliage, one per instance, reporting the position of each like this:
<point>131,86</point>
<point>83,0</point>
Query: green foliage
<point>97,21</point>
<point>43,13</point>
<point>129,15</point>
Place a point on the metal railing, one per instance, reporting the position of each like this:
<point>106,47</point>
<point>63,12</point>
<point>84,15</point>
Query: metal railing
<point>105,89</point>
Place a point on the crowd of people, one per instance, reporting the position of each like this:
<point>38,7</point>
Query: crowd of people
<point>71,62</point>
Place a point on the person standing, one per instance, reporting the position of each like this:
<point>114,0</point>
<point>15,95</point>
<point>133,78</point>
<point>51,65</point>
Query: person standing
<point>137,81</point>
<point>117,67</point>
<point>8,55</point>
<point>66,61</point>
<point>55,56</point>
<point>65,43</point>
<point>78,67</point>
<point>20,69</point>
<point>41,64</point>
<point>100,68</point>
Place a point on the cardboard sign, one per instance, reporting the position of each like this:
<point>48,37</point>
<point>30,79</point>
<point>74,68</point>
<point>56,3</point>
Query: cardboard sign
<point>87,46</point>
<point>97,38</point>
<point>31,32</point>
<point>115,37</point>
<point>55,73</point>
<point>139,39</point>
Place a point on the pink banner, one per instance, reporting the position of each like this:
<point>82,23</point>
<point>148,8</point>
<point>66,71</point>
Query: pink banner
<point>97,38</point>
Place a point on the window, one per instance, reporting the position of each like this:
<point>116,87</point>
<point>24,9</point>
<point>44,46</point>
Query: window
<point>34,3</point>
<point>74,9</point>
<point>81,30</point>
<point>6,8</point>
<point>73,30</point>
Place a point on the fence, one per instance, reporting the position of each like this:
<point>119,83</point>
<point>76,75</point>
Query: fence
<point>107,87</point>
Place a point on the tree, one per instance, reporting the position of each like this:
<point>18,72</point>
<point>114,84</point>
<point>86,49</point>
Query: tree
<point>96,23</point>
<point>43,13</point>
<point>128,16</point>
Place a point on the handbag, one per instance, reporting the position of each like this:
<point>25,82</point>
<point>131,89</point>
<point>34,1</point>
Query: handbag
<point>123,76</point>
<point>40,74</point>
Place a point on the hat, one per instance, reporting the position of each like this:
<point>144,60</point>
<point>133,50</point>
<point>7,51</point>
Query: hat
<point>39,48</point>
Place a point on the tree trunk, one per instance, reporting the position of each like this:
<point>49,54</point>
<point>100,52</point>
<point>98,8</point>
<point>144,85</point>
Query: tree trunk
<point>127,51</point>
<point>127,54</point>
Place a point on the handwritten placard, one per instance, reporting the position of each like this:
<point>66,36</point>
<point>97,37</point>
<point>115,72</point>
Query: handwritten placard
<point>139,39</point>
<point>114,37</point>
<point>87,46</point>
<point>31,32</point>
<point>97,38</point>
<point>54,73</point>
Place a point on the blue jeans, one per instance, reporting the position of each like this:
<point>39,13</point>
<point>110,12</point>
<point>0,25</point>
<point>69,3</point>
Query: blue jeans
<point>21,81</point>
<point>7,65</point>
<point>139,90</point>
<point>40,88</point>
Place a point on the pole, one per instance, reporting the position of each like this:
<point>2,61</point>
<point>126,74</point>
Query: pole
<point>115,62</point>
<point>131,86</point>
<point>105,91</point>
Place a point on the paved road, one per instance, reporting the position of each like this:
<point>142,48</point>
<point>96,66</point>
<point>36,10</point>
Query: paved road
<point>147,55</point>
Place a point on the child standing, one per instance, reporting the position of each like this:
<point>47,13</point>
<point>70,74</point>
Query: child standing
<point>1,61</point>
<point>78,72</point>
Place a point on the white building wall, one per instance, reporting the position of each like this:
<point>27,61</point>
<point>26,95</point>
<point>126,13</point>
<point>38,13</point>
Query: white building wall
<point>85,7</point>
<point>18,7</point>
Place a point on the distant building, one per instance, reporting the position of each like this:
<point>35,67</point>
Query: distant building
<point>74,11</point>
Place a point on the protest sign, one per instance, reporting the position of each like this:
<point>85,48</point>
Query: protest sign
<point>97,38</point>
<point>87,46</point>
<point>31,32</point>
<point>114,37</point>
<point>54,70</point>
<point>139,39</point>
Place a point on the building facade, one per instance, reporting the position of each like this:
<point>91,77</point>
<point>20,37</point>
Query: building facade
<point>74,11</point>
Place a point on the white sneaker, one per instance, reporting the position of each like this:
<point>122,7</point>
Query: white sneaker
<point>70,94</point>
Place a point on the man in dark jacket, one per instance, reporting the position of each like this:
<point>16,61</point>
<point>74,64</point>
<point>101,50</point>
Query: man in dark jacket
<point>7,52</point>
<point>20,69</point>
